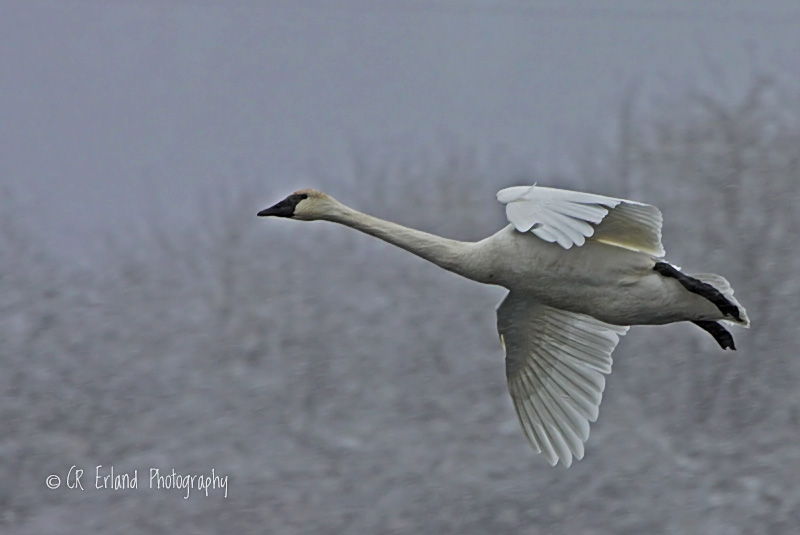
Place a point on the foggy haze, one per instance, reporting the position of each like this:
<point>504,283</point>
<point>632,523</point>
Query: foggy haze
<point>149,319</point>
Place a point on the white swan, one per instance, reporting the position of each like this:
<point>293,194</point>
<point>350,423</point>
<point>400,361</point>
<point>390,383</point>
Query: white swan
<point>580,268</point>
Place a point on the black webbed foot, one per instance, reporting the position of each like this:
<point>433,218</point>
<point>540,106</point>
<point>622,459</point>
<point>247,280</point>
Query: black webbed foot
<point>701,288</point>
<point>720,333</point>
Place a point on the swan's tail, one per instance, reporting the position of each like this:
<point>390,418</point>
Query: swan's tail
<point>724,287</point>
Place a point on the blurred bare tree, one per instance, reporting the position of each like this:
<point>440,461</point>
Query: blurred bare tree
<point>346,386</point>
<point>726,173</point>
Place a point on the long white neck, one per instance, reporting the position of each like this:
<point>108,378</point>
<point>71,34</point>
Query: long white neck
<point>452,255</point>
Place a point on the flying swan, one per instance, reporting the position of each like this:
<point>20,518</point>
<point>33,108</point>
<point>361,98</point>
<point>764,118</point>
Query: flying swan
<point>580,269</point>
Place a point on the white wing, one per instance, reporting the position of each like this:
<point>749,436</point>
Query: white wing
<point>554,366</point>
<point>570,217</point>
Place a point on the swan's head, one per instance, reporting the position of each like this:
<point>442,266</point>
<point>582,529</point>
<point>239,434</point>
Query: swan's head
<point>304,204</point>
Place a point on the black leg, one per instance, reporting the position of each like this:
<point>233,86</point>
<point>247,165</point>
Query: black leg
<point>700,288</point>
<point>720,333</point>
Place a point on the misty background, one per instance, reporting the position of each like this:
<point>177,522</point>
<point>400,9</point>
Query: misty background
<point>149,319</point>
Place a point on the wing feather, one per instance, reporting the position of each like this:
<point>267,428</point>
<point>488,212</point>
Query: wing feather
<point>524,218</point>
<point>574,230</point>
<point>545,233</point>
<point>633,226</point>
<point>574,427</point>
<point>555,361</point>
<point>536,423</point>
<point>525,419</point>
<point>585,403</point>
<point>550,432</point>
<point>571,217</point>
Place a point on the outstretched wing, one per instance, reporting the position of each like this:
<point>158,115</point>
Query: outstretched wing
<point>555,361</point>
<point>570,217</point>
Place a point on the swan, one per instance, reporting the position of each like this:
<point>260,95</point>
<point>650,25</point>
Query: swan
<point>581,269</point>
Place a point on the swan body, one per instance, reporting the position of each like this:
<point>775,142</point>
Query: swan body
<point>580,269</point>
<point>612,284</point>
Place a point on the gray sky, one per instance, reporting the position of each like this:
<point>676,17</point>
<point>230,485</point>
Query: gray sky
<point>108,107</point>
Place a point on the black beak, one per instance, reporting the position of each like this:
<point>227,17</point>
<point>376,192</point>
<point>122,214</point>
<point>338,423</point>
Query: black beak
<point>285,208</point>
<point>282,209</point>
